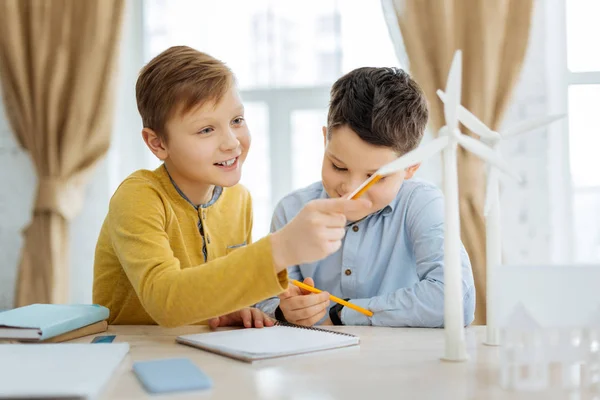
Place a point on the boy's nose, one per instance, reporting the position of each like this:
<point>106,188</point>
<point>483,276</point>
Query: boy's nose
<point>348,187</point>
<point>342,189</point>
<point>230,142</point>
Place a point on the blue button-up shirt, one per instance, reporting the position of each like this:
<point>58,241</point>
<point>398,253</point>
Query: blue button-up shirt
<point>390,262</point>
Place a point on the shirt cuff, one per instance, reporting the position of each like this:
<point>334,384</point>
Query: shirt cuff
<point>268,306</point>
<point>352,317</point>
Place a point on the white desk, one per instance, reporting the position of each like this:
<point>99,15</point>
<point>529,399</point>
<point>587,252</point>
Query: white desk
<point>389,364</point>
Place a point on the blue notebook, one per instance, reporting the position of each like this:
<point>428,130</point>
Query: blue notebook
<point>39,322</point>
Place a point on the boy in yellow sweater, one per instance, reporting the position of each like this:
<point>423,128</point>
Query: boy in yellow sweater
<point>175,247</point>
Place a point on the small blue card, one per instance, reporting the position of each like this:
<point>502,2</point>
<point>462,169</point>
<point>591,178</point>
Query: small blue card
<point>171,375</point>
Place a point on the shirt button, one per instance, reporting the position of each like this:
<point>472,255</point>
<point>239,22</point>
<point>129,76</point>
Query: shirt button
<point>348,272</point>
<point>355,228</point>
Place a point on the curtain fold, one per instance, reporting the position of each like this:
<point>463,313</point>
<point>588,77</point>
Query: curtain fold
<point>57,63</point>
<point>493,36</point>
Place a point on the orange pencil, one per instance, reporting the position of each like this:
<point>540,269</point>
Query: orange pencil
<point>333,298</point>
<point>373,179</point>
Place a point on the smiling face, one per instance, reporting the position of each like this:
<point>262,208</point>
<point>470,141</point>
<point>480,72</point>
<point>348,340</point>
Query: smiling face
<point>206,146</point>
<point>348,161</point>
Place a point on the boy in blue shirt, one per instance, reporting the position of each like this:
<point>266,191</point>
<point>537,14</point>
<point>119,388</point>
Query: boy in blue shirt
<point>391,259</point>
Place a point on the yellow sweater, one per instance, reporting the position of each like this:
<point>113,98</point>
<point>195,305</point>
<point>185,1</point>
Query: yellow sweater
<point>150,268</point>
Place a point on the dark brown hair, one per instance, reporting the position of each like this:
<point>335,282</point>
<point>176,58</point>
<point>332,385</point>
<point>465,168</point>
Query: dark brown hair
<point>176,81</point>
<point>384,106</point>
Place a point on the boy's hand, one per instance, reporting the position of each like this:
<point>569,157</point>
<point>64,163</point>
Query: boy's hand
<point>302,307</point>
<point>314,233</point>
<point>246,317</point>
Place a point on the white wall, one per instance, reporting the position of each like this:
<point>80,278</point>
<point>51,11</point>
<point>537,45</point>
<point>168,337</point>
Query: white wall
<point>17,183</point>
<point>526,210</point>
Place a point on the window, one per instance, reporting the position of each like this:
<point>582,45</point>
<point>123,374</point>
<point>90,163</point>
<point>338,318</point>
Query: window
<point>285,55</point>
<point>583,104</point>
<point>308,144</point>
<point>583,32</point>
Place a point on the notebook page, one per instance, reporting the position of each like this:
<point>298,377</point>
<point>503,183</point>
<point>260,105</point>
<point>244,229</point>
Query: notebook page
<point>272,341</point>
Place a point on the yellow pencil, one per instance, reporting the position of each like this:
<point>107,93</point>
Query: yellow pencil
<point>365,186</point>
<point>333,298</point>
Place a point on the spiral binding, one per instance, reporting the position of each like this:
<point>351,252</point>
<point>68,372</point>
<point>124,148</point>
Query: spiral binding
<point>311,328</point>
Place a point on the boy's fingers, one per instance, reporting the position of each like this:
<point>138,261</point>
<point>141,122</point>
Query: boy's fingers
<point>334,234</point>
<point>226,320</point>
<point>336,220</point>
<point>309,282</point>
<point>331,220</point>
<point>214,323</point>
<point>258,317</point>
<point>291,291</point>
<point>301,302</point>
<point>333,246</point>
<point>246,317</point>
<point>284,295</point>
<point>311,311</point>
<point>341,205</point>
<point>269,322</point>
<point>311,320</point>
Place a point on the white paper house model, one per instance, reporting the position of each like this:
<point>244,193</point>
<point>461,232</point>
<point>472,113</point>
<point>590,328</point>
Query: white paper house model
<point>524,363</point>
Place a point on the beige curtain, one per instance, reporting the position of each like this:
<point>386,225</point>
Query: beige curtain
<point>493,35</point>
<point>57,61</point>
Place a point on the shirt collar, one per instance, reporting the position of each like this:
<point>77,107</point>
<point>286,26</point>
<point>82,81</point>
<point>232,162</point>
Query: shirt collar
<point>216,193</point>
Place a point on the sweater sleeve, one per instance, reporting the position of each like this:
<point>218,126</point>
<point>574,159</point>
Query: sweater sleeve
<point>173,296</point>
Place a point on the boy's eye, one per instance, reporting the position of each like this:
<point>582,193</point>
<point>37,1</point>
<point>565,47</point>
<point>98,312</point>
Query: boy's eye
<point>205,131</point>
<point>338,168</point>
<point>380,179</point>
<point>238,121</point>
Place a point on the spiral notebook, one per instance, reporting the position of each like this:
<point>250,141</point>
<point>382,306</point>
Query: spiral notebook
<point>281,340</point>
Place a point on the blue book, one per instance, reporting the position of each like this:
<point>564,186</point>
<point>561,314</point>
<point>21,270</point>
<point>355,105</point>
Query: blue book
<point>39,322</point>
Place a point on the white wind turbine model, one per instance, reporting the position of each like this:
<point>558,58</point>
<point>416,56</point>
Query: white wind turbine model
<point>492,200</point>
<point>449,138</point>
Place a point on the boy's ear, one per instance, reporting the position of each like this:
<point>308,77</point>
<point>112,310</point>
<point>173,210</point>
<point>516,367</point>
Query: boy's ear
<point>410,171</point>
<point>324,136</point>
<point>155,144</point>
